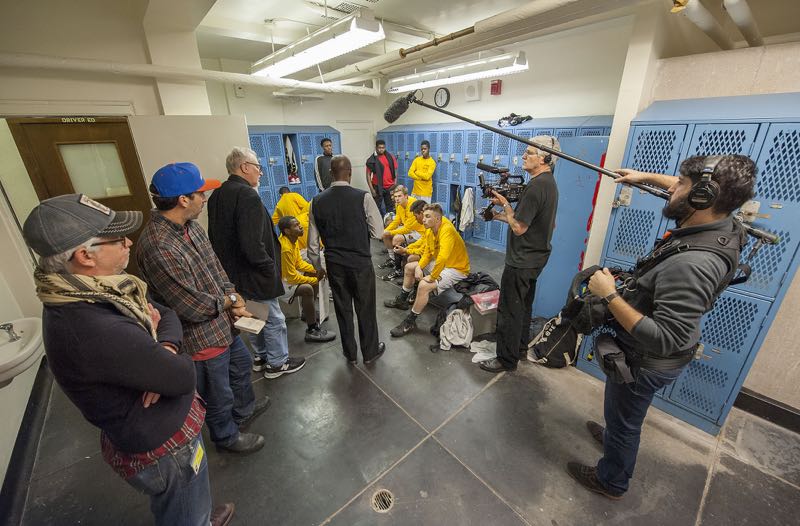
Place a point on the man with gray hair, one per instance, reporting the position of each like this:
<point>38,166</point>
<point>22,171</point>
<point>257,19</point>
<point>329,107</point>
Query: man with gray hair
<point>244,239</point>
<point>119,358</point>
<point>530,229</point>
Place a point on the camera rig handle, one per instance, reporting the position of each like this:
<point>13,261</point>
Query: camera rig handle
<point>763,236</point>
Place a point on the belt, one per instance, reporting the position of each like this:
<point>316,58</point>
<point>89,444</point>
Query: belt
<point>659,363</point>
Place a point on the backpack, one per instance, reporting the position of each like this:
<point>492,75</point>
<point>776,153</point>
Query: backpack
<point>556,345</point>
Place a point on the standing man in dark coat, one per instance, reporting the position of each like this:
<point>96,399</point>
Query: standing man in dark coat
<point>322,165</point>
<point>381,176</point>
<point>244,240</point>
<point>344,218</point>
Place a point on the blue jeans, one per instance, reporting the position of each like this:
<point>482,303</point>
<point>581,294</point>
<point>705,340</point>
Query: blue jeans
<point>178,496</point>
<point>272,344</point>
<point>225,385</point>
<point>624,409</point>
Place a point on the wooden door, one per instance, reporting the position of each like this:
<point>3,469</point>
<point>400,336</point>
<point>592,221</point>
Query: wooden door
<point>90,155</point>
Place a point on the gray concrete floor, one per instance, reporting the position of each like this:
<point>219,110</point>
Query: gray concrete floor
<point>455,446</point>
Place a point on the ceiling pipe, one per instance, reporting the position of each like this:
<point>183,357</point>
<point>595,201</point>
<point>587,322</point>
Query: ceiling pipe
<point>436,41</point>
<point>742,16</point>
<point>508,27</point>
<point>42,62</point>
<point>705,21</point>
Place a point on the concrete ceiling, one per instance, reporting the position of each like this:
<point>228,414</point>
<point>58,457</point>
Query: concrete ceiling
<point>236,29</point>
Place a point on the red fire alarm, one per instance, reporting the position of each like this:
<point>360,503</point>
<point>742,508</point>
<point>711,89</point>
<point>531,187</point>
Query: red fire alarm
<point>496,87</point>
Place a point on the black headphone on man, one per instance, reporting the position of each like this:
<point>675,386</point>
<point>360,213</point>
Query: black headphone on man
<point>549,157</point>
<point>705,191</point>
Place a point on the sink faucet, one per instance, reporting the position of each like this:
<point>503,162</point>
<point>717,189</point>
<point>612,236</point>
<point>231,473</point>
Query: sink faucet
<point>9,328</point>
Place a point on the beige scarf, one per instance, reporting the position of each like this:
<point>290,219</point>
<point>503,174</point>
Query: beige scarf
<point>125,292</point>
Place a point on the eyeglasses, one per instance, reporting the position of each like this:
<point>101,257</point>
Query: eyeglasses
<point>110,242</point>
<point>260,168</point>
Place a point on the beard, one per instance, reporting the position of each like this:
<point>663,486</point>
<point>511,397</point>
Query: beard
<point>677,209</point>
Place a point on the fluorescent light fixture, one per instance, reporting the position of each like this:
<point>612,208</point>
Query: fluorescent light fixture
<point>331,41</point>
<point>479,69</point>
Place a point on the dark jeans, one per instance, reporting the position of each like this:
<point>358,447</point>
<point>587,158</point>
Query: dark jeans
<point>225,385</point>
<point>384,201</point>
<point>517,288</point>
<point>624,408</point>
<point>178,496</point>
<point>355,288</point>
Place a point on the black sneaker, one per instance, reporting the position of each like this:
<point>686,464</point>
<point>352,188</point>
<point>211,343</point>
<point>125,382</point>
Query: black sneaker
<point>587,477</point>
<point>494,366</point>
<point>389,263</point>
<point>406,326</point>
<point>292,365</point>
<point>319,335</point>
<point>413,296</point>
<point>399,302</point>
<point>392,275</point>
<point>259,364</point>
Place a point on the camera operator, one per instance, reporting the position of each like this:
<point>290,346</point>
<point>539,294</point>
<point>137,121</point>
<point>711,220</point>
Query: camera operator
<point>657,324</point>
<point>530,228</point>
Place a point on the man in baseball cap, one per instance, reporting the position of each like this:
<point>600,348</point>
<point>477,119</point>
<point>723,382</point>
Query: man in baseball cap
<point>177,179</point>
<point>116,354</point>
<point>177,261</point>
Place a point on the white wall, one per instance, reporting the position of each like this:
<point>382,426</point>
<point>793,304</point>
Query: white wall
<point>88,29</point>
<point>576,72</point>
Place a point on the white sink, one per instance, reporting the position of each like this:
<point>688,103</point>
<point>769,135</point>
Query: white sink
<point>17,356</point>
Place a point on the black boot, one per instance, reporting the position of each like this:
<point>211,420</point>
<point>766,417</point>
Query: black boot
<point>399,302</point>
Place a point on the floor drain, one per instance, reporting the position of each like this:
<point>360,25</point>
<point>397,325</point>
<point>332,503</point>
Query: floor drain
<point>382,501</point>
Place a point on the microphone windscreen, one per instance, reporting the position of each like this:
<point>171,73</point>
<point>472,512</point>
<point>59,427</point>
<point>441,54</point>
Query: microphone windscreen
<point>397,108</point>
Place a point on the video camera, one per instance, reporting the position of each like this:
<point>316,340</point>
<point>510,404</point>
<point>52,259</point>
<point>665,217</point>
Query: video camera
<point>510,190</point>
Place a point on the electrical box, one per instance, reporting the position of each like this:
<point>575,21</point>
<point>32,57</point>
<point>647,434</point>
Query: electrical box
<point>496,87</point>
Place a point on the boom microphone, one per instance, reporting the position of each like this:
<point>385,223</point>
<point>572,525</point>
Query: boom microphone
<point>398,107</point>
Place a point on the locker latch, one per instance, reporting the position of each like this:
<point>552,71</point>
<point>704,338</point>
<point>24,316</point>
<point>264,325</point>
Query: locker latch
<point>624,197</point>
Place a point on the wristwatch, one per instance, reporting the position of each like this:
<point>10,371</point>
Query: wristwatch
<point>233,299</point>
<point>608,299</point>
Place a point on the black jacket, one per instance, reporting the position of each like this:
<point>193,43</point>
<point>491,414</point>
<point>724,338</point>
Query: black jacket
<point>242,234</point>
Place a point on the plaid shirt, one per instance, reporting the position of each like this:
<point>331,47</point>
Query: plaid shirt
<point>187,277</point>
<point>129,464</point>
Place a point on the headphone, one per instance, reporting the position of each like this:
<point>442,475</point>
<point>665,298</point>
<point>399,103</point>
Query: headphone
<point>549,157</point>
<point>705,191</point>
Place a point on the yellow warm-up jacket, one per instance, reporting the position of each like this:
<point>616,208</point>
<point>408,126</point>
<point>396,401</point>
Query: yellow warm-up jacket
<point>445,247</point>
<point>421,172</point>
<point>292,265</point>
<point>404,221</point>
<point>293,204</point>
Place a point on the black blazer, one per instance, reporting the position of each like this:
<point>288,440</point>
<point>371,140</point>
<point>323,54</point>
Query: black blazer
<point>244,239</point>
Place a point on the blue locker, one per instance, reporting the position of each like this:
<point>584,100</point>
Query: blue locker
<point>486,147</point>
<point>391,143</point>
<point>442,196</point>
<point>593,131</point>
<point>400,143</point>
<point>277,160</point>
<point>778,191</point>
<point>433,138</point>
<point>267,198</point>
<point>728,334</point>
<point>258,145</point>
<point>722,139</point>
<point>305,158</point>
<point>565,133</point>
<point>442,174</point>
<point>634,228</point>
<point>542,131</point>
<point>444,146</point>
<point>471,146</point>
<point>502,154</point>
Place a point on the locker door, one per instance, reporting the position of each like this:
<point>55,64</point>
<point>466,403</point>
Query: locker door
<point>778,191</point>
<point>633,229</point>
<point>592,131</point>
<point>258,145</point>
<point>444,146</point>
<point>433,138</point>
<point>502,152</point>
<point>267,198</point>
<point>563,133</point>
<point>486,151</point>
<point>517,150</point>
<point>317,140</point>
<point>722,139</point>
<point>277,160</point>
<point>457,164</point>
<point>480,227</point>
<point>728,333</point>
<point>306,157</point>
<point>391,144</point>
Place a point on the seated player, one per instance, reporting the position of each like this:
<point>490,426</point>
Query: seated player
<point>300,278</point>
<point>295,205</point>
<point>403,230</point>
<point>444,262</point>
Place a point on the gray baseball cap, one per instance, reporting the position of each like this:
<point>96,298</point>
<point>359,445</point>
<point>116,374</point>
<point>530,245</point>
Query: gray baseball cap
<point>64,222</point>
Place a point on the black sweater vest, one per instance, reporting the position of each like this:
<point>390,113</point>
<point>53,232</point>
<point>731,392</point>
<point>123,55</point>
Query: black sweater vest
<point>342,223</point>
